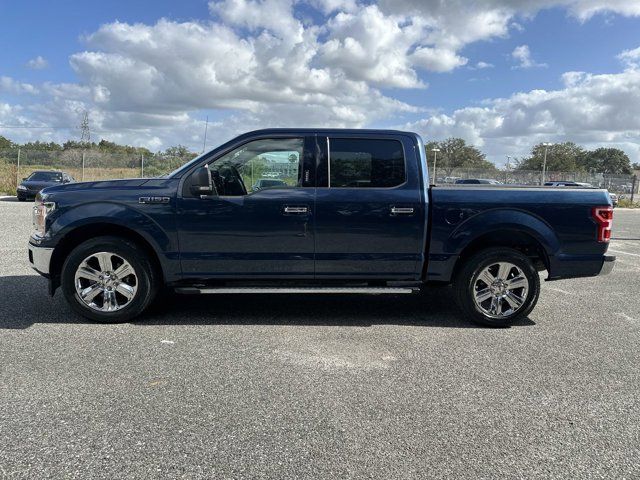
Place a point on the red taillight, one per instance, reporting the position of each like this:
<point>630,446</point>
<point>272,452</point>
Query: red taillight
<point>604,218</point>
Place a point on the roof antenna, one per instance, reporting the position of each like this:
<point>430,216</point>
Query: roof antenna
<point>204,144</point>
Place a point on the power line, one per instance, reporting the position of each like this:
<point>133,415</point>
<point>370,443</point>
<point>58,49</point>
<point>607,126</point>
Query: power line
<point>32,126</point>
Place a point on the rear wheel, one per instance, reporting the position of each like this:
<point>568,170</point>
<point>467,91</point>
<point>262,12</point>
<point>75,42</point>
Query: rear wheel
<point>497,286</point>
<point>108,279</point>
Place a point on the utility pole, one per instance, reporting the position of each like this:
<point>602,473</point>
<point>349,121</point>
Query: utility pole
<point>633,188</point>
<point>18,170</point>
<point>435,158</point>
<point>506,172</point>
<point>85,136</point>
<point>142,165</point>
<point>544,162</point>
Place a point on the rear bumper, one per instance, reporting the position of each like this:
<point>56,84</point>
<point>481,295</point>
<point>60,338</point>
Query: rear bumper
<point>574,266</point>
<point>607,265</point>
<point>40,258</point>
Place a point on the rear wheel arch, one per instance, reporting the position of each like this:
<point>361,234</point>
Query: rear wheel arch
<point>515,239</point>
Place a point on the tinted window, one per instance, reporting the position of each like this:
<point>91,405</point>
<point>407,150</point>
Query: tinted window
<point>365,163</point>
<point>45,177</point>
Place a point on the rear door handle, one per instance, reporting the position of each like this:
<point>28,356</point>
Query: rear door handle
<point>296,210</point>
<point>401,210</point>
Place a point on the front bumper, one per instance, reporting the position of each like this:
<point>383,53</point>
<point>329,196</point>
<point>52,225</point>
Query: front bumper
<point>40,258</point>
<point>607,265</point>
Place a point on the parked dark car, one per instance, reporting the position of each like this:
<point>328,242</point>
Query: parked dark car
<point>360,219</point>
<point>267,183</point>
<point>477,181</point>
<point>31,185</point>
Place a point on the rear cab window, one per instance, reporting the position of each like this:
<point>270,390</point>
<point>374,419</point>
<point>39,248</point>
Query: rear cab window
<point>365,163</point>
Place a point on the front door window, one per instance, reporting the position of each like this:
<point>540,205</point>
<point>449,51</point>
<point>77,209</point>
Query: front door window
<point>259,165</point>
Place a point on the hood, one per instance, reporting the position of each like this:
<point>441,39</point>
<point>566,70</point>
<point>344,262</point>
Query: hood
<point>127,183</point>
<point>38,185</point>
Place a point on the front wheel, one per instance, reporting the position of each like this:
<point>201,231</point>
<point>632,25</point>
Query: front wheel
<point>108,279</point>
<point>497,286</point>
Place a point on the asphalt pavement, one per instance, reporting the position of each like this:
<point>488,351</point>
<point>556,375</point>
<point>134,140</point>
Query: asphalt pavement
<point>277,386</point>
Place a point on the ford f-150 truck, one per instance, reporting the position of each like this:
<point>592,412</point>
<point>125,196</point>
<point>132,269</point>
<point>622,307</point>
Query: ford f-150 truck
<point>352,212</point>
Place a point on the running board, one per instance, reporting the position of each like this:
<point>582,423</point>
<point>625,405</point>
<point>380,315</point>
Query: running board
<point>314,290</point>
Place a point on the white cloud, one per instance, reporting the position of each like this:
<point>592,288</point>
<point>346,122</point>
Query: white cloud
<point>437,60</point>
<point>38,63</point>
<point>522,54</point>
<point>483,65</point>
<point>14,87</point>
<point>179,67</point>
<point>273,15</point>
<point>262,63</point>
<point>631,58</point>
<point>373,47</point>
<point>591,110</point>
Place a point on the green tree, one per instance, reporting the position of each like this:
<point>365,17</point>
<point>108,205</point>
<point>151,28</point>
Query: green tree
<point>606,160</point>
<point>179,151</point>
<point>5,143</point>
<point>455,153</point>
<point>42,146</point>
<point>561,157</point>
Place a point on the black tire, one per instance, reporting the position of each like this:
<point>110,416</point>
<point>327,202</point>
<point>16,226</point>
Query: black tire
<point>147,283</point>
<point>21,199</point>
<point>466,279</point>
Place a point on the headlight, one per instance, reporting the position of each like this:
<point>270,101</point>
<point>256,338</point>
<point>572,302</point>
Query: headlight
<point>40,212</point>
<point>22,187</point>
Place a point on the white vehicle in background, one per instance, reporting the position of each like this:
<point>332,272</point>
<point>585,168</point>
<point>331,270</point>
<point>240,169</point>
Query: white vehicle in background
<point>568,183</point>
<point>451,179</point>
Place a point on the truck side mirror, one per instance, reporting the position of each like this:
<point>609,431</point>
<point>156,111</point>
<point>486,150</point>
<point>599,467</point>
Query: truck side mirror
<point>201,182</point>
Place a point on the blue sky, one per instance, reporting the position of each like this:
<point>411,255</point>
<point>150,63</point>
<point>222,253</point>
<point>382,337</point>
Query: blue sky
<point>148,73</point>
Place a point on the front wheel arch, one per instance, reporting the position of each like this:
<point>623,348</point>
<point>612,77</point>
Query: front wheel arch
<point>81,234</point>
<point>146,282</point>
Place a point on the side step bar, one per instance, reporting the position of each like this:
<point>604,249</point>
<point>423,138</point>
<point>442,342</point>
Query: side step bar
<point>254,290</point>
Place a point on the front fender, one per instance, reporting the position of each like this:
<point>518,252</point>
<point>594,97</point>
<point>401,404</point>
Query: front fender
<point>69,219</point>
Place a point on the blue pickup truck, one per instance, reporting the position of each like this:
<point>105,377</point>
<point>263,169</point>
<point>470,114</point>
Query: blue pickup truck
<point>351,211</point>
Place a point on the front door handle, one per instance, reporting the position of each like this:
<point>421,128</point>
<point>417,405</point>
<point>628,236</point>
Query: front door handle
<point>401,210</point>
<point>296,210</point>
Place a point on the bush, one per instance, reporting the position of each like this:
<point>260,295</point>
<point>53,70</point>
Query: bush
<point>626,203</point>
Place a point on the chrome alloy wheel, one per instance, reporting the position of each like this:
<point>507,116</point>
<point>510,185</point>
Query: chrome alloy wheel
<point>500,290</point>
<point>106,282</point>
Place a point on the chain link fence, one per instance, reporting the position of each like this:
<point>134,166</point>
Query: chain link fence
<point>624,185</point>
<point>87,165</point>
<point>83,165</point>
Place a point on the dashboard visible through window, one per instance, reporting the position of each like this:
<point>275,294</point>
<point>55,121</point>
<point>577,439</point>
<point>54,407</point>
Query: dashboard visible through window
<point>258,165</point>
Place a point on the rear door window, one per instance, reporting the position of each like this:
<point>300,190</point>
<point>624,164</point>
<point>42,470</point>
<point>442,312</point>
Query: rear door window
<point>366,163</point>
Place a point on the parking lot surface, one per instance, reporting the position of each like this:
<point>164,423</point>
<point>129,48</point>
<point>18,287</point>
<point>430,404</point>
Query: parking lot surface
<point>276,386</point>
